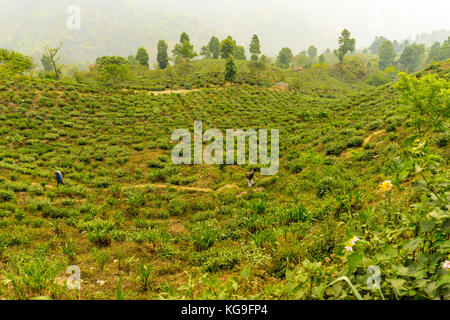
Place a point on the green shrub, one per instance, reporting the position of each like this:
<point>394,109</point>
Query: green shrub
<point>355,142</point>
<point>176,207</point>
<point>215,260</point>
<point>442,139</point>
<point>203,236</point>
<point>324,186</point>
<point>334,149</point>
<point>102,182</point>
<point>6,195</point>
<point>155,164</point>
<point>99,231</point>
<point>296,166</point>
<point>294,214</point>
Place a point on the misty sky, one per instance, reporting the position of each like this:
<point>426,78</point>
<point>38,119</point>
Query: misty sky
<point>121,26</point>
<point>395,19</point>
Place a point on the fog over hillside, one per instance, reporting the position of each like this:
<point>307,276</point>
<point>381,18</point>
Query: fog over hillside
<point>121,26</point>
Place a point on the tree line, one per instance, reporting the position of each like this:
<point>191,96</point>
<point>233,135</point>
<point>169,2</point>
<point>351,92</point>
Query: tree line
<point>398,55</point>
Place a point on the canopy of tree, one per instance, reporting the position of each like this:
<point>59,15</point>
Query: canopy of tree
<point>227,47</point>
<point>346,44</point>
<point>12,62</point>
<point>386,54</point>
<point>255,48</point>
<point>142,56</point>
<point>162,56</point>
<point>284,58</point>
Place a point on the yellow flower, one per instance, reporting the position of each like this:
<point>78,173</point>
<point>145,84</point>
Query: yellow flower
<point>351,243</point>
<point>386,186</point>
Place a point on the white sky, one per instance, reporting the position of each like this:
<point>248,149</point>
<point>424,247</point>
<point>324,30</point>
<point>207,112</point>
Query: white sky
<point>279,23</point>
<point>396,19</point>
<point>366,19</point>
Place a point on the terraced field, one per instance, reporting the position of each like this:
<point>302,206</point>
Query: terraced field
<point>140,227</point>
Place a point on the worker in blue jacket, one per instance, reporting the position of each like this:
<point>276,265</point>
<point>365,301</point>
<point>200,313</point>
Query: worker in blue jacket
<point>59,177</point>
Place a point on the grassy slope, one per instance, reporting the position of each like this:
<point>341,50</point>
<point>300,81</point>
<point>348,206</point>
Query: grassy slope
<point>336,142</point>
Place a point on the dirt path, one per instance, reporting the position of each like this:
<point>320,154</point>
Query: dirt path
<point>348,153</point>
<point>172,91</point>
<point>165,186</point>
<point>227,186</point>
<point>367,140</point>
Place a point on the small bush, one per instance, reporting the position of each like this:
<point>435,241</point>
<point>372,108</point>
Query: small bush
<point>334,149</point>
<point>7,195</point>
<point>324,187</point>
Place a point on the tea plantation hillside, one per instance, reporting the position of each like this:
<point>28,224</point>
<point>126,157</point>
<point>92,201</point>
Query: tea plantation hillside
<point>140,227</point>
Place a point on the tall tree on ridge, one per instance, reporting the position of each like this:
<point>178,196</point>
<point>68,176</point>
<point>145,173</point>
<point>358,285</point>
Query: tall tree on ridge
<point>214,47</point>
<point>255,48</point>
<point>227,47</point>
<point>346,44</point>
<point>52,53</point>
<point>312,51</point>
<point>230,69</point>
<point>386,55</point>
<point>162,57</point>
<point>142,56</point>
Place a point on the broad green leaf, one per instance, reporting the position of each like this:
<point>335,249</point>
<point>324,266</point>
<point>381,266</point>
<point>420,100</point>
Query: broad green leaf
<point>443,280</point>
<point>446,225</point>
<point>346,279</point>
<point>409,141</point>
<point>411,245</point>
<point>427,225</point>
<point>398,286</point>
<point>353,261</point>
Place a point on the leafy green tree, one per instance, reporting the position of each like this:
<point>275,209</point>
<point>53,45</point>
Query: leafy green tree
<point>302,61</point>
<point>284,58</point>
<point>46,62</point>
<point>52,54</point>
<point>265,59</point>
<point>132,60</point>
<point>412,57</point>
<point>312,51</point>
<point>214,47</point>
<point>399,47</point>
<point>230,69</point>
<point>113,68</point>
<point>428,97</point>
<point>444,51</point>
<point>184,49</point>
<point>376,44</point>
<point>162,57</point>
<point>227,47</point>
<point>12,62</point>
<point>385,76</point>
<point>255,48</point>
<point>205,52</point>
<point>346,44</point>
<point>257,67</point>
<point>239,53</point>
<point>434,52</point>
<point>322,58</point>
<point>184,37</point>
<point>142,56</point>
<point>386,55</point>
